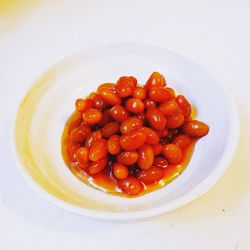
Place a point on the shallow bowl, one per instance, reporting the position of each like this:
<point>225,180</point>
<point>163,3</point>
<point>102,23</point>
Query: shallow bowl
<point>50,101</point>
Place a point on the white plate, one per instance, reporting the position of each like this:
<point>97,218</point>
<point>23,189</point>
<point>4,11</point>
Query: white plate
<point>45,109</point>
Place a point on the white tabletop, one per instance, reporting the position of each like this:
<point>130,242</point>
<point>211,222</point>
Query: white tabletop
<point>36,34</point>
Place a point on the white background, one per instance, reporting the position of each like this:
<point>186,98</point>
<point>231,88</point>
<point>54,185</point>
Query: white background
<point>36,34</point>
